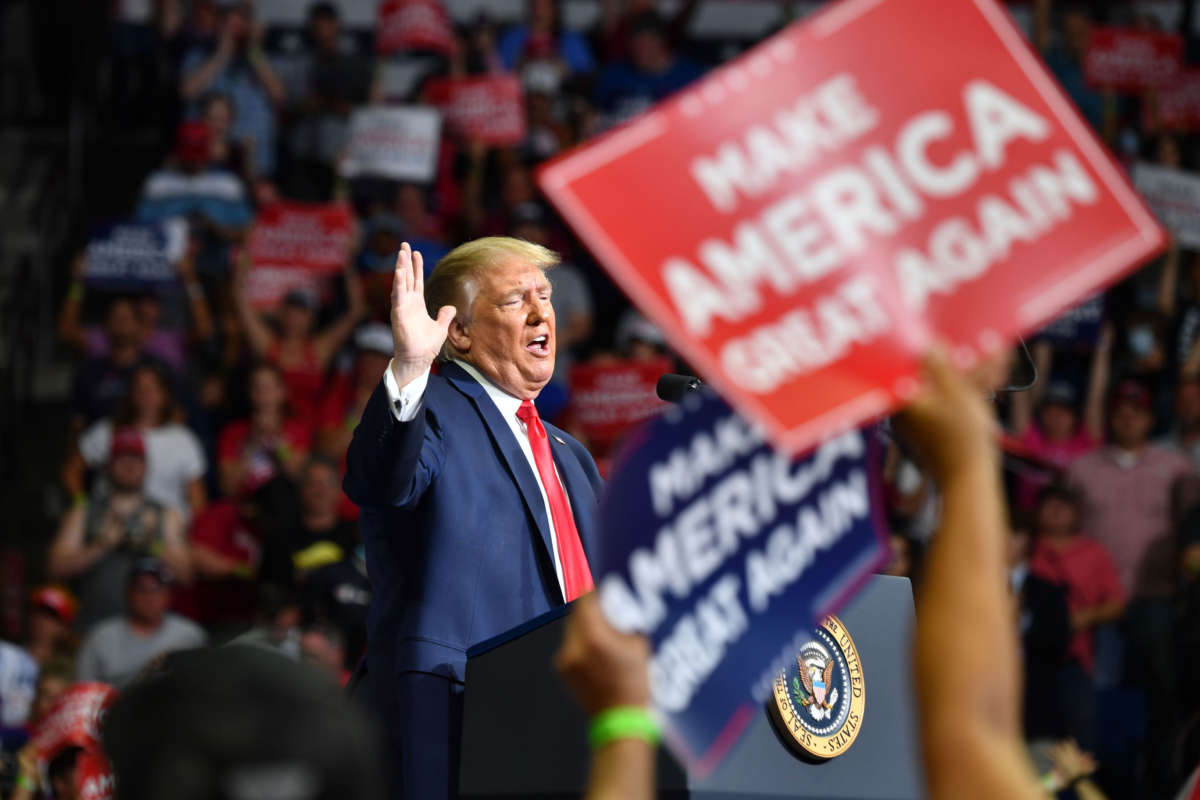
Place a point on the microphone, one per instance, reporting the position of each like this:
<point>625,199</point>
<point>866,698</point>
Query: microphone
<point>672,387</point>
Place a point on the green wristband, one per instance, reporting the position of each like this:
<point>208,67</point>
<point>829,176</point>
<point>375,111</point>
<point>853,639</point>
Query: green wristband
<point>622,722</point>
<point>25,782</point>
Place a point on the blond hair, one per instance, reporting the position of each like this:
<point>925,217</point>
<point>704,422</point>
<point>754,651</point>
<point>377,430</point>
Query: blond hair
<point>454,281</point>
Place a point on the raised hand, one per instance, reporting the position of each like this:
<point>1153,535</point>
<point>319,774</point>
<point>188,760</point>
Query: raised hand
<point>416,337</point>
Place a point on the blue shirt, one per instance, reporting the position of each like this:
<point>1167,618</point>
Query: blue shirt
<point>253,114</point>
<point>623,91</point>
<point>572,48</point>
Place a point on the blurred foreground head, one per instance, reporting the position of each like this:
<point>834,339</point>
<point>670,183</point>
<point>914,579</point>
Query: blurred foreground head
<point>235,723</point>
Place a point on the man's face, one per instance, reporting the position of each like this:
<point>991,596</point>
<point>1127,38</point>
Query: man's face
<point>1056,517</point>
<point>509,333</point>
<point>1058,422</point>
<point>126,471</point>
<point>319,489</point>
<point>1076,29</point>
<point>1130,424</point>
<point>148,599</point>
<point>44,625</point>
<point>648,51</point>
<point>266,389</point>
<point>325,32</point>
<point>122,325</point>
<point>316,648</point>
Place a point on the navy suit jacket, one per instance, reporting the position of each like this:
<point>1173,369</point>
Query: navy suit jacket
<point>456,535</point>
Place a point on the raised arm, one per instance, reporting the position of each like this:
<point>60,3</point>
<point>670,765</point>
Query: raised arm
<point>394,454</point>
<point>1022,404</point>
<point>70,555</point>
<point>199,79</point>
<point>199,316</point>
<point>257,332</point>
<point>1041,25</point>
<point>606,671</point>
<point>262,66</point>
<point>1093,409</point>
<point>1168,280</point>
<point>175,552</point>
<point>966,645</point>
<point>336,333</point>
<point>70,329</point>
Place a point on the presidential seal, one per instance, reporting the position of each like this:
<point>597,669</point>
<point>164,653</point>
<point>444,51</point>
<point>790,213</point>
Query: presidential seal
<point>817,702</point>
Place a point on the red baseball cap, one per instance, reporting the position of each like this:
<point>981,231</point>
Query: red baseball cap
<point>57,600</point>
<point>127,441</point>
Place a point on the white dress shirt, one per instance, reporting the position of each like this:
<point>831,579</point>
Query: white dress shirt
<point>407,401</point>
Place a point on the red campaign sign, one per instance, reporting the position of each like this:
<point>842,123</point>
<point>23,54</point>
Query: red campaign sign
<point>806,219</point>
<point>607,399</point>
<point>490,108</point>
<point>315,238</point>
<point>1179,103</point>
<point>413,25</point>
<point>74,721</point>
<point>1131,60</point>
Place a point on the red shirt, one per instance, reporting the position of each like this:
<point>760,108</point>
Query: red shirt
<point>220,528</point>
<point>305,383</point>
<point>1059,454</point>
<point>295,436</point>
<point>1087,571</point>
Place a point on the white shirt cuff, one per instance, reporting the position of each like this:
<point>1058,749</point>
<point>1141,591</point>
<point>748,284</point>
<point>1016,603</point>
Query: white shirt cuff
<point>407,401</point>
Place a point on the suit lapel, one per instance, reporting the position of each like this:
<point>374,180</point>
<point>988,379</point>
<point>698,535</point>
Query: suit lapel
<point>509,448</point>
<point>579,489</point>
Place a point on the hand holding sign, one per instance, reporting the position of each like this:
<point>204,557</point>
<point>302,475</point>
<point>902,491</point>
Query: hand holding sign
<point>417,338</point>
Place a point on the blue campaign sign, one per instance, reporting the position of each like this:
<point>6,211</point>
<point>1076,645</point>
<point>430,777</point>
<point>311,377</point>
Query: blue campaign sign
<point>1079,325</point>
<point>725,553</point>
<point>132,255</point>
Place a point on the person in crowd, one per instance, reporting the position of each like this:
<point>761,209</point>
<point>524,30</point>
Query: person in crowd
<point>651,72</point>
<point>608,673</point>
<point>1059,433</point>
<point>117,648</point>
<point>226,550</point>
<point>639,339</point>
<point>617,18</point>
<point>165,343</point>
<point>1185,432</point>
<point>324,646</point>
<point>339,594</point>
<point>237,66</point>
<point>901,559</point>
<point>966,640</point>
<point>52,610</point>
<point>541,44</point>
<point>1044,624</point>
<point>169,734</point>
<point>1063,555</point>
<point>1065,58</point>
<point>302,355</point>
<point>1127,490</point>
<point>349,391</point>
<point>99,539</point>
<point>101,381</point>
<point>211,198</point>
<point>328,84</point>
<point>225,152</point>
<point>320,535</point>
<point>175,462</point>
<point>416,458</point>
<point>270,442</point>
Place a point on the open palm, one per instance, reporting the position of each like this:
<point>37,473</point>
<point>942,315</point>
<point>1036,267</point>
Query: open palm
<point>416,337</point>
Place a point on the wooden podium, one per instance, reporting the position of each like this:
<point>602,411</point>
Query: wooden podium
<point>523,735</point>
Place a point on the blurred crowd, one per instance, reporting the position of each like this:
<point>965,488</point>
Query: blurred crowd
<point>208,434</point>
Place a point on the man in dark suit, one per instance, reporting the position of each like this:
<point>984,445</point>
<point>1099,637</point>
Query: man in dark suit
<point>476,516</point>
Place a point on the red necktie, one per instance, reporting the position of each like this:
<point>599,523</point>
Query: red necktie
<point>577,577</point>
